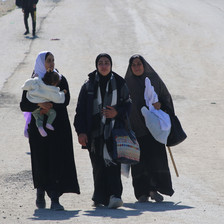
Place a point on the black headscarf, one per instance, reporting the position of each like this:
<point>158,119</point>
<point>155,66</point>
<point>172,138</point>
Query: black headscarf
<point>103,79</point>
<point>103,55</point>
<point>136,85</point>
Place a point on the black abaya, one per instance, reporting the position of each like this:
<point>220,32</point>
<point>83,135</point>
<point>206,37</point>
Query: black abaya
<point>52,158</point>
<point>152,173</point>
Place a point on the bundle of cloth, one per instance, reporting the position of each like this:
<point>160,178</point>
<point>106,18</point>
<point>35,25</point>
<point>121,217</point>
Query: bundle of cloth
<point>157,121</point>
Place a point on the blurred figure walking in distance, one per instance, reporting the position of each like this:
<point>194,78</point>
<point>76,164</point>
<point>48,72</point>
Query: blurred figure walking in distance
<point>29,7</point>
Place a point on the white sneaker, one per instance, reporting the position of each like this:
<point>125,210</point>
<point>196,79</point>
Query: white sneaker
<point>115,202</point>
<point>97,205</point>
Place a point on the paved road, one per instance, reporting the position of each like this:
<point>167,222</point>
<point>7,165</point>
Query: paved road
<point>182,40</point>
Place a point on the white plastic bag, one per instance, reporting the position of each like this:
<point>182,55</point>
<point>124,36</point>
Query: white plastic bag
<point>152,122</point>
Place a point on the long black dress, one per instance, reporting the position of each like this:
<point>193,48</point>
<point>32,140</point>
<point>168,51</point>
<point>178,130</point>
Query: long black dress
<point>107,179</point>
<point>152,173</point>
<point>52,158</point>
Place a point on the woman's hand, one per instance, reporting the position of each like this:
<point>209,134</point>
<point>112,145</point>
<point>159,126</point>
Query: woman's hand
<point>45,107</point>
<point>83,139</point>
<point>50,70</point>
<point>157,105</point>
<point>109,112</point>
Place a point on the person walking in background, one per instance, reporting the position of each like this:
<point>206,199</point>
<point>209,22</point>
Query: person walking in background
<point>52,157</point>
<point>151,176</point>
<point>29,7</point>
<point>103,104</point>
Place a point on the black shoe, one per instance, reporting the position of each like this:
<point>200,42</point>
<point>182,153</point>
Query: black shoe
<point>40,201</point>
<point>143,198</point>
<point>27,32</point>
<point>34,34</point>
<point>56,206</point>
<point>156,196</point>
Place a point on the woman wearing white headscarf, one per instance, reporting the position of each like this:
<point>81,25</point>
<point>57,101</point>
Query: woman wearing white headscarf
<point>152,174</point>
<point>52,158</point>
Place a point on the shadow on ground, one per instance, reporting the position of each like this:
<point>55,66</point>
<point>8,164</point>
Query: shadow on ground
<point>136,209</point>
<point>48,214</point>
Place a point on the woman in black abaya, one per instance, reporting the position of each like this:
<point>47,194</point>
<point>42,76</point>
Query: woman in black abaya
<point>52,158</point>
<point>151,176</point>
<point>103,104</point>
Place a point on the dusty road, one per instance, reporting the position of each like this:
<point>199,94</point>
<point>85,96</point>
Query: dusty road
<point>183,41</point>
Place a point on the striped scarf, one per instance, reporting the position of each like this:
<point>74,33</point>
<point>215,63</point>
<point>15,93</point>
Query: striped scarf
<point>102,127</point>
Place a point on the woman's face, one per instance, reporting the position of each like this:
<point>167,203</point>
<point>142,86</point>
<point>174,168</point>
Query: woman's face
<point>49,63</point>
<point>104,66</point>
<point>137,67</point>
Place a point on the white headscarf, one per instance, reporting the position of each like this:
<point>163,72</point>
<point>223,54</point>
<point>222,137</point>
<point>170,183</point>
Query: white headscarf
<point>39,68</point>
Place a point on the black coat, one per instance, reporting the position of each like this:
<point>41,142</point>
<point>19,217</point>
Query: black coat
<point>53,165</point>
<point>28,4</point>
<point>84,109</point>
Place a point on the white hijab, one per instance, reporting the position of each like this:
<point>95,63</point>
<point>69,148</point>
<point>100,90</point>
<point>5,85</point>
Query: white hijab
<point>39,68</point>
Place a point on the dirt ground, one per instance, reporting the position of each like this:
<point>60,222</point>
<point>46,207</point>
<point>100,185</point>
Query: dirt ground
<point>183,41</point>
<point>6,6</point>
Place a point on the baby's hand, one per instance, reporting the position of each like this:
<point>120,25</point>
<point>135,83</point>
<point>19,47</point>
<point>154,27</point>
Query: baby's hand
<point>157,105</point>
<point>65,91</point>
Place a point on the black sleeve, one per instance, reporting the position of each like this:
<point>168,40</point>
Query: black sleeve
<point>80,120</point>
<point>165,99</point>
<point>26,105</point>
<point>23,4</point>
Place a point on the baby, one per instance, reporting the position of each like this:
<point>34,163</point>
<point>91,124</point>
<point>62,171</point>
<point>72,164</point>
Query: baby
<point>44,90</point>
